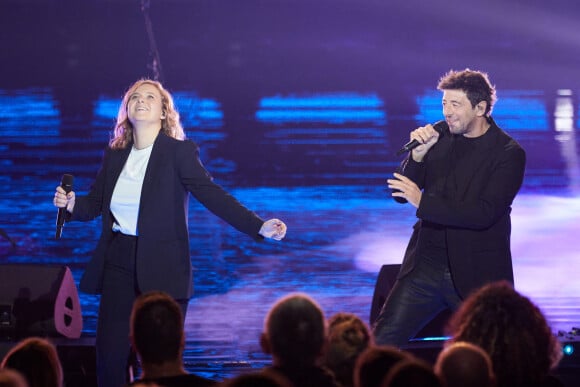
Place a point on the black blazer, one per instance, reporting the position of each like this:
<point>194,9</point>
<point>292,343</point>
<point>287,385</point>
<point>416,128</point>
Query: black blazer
<point>477,219</point>
<point>163,259</point>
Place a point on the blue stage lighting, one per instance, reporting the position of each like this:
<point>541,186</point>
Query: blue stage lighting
<point>568,349</point>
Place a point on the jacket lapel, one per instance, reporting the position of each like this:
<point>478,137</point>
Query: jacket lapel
<point>117,162</point>
<point>156,160</point>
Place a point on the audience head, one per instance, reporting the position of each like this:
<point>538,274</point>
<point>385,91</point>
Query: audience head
<point>11,378</point>
<point>412,372</point>
<point>512,330</point>
<point>266,378</point>
<point>375,362</point>
<point>36,359</point>
<point>157,328</point>
<point>348,337</point>
<point>294,331</point>
<point>145,384</point>
<point>464,364</point>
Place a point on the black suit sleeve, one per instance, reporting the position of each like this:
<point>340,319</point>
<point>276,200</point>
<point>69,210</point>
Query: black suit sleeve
<point>198,181</point>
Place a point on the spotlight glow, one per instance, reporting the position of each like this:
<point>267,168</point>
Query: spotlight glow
<point>568,349</point>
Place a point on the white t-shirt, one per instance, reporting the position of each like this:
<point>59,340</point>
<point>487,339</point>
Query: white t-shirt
<point>127,192</point>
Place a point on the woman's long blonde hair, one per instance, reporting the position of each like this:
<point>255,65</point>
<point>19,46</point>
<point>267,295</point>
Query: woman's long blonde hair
<point>170,125</point>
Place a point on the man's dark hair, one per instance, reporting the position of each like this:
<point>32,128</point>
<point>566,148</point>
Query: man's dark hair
<point>475,84</point>
<point>157,328</point>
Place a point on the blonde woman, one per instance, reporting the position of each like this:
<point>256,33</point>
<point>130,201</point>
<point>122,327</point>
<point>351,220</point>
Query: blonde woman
<point>141,193</point>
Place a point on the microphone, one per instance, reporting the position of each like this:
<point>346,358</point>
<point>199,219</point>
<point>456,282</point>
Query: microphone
<point>439,126</point>
<point>65,183</point>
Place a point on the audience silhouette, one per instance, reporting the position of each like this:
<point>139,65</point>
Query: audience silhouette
<point>375,362</point>
<point>513,331</point>
<point>411,372</point>
<point>158,338</point>
<point>498,338</point>
<point>462,364</point>
<point>37,360</point>
<point>295,335</point>
<point>266,378</point>
<point>145,384</point>
<point>348,337</point>
<point>11,378</point>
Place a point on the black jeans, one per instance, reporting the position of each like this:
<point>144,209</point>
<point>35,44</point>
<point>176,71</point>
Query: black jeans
<point>414,300</point>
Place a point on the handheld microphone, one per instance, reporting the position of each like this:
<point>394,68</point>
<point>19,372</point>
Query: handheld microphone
<point>65,183</point>
<point>439,126</point>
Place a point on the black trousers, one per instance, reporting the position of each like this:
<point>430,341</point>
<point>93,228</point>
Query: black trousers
<point>414,300</point>
<point>120,289</point>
